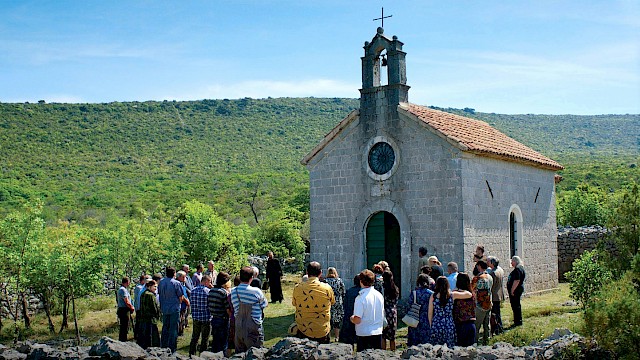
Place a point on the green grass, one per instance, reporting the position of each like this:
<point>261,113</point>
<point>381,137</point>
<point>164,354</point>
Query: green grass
<point>542,314</point>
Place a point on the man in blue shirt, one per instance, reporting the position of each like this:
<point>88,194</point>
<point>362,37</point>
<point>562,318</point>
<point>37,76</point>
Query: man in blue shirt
<point>171,296</point>
<point>452,276</point>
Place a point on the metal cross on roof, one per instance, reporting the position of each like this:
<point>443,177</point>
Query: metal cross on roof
<point>382,17</point>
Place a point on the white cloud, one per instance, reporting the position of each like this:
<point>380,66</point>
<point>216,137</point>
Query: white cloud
<point>41,53</point>
<point>64,98</point>
<point>267,88</point>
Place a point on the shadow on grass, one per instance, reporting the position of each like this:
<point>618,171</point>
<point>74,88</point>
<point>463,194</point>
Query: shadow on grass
<point>277,327</point>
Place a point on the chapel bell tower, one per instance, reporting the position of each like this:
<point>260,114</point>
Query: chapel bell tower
<point>380,54</point>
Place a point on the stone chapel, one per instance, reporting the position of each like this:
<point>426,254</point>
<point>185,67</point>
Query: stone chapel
<point>394,176</point>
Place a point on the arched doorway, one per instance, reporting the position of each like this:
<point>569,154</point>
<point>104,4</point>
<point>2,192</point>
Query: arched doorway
<point>383,242</point>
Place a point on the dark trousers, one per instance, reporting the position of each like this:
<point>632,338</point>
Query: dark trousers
<point>169,337</point>
<point>369,342</point>
<point>495,310</point>
<point>201,329</point>
<point>466,333</point>
<point>219,335</point>
<point>516,307</point>
<point>123,316</point>
<point>148,334</point>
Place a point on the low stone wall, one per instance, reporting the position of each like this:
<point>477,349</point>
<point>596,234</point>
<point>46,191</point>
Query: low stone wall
<point>572,242</point>
<point>8,302</point>
<point>289,265</point>
<point>554,347</point>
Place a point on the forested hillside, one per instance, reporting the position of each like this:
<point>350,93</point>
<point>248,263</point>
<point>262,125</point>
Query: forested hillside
<point>240,156</point>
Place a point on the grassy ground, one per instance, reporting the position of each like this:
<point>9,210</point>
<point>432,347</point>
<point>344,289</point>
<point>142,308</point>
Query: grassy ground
<point>542,314</point>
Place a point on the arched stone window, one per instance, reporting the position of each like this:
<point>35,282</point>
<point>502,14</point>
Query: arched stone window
<point>515,231</point>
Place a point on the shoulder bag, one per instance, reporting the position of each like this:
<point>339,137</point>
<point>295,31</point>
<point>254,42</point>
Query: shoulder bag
<point>413,315</point>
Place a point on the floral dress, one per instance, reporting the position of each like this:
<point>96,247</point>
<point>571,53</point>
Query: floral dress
<point>420,334</point>
<point>337,310</point>
<point>443,330</point>
<point>391,314</point>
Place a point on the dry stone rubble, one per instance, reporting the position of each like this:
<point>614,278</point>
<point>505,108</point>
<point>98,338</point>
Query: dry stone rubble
<point>553,347</point>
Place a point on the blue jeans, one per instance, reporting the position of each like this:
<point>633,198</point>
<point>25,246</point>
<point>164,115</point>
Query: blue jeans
<point>169,337</point>
<point>220,334</point>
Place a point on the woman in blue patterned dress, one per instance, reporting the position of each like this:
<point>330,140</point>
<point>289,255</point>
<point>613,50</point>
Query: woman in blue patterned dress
<point>420,334</point>
<point>443,329</point>
<point>337,310</point>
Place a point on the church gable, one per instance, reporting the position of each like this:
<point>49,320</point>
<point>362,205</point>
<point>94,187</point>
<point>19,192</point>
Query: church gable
<point>477,137</point>
<point>352,118</point>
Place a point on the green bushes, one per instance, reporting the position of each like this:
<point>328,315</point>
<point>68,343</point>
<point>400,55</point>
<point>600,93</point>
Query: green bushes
<point>608,284</point>
<point>587,277</point>
<point>613,316</point>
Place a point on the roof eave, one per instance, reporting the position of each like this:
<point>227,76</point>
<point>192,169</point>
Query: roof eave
<point>546,166</point>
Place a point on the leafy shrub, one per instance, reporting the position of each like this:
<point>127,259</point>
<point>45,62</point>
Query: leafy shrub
<point>587,276</point>
<point>584,206</point>
<point>280,236</point>
<point>613,316</point>
<point>626,227</point>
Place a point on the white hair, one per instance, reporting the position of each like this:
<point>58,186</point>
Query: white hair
<point>517,260</point>
<point>181,274</point>
<point>256,271</point>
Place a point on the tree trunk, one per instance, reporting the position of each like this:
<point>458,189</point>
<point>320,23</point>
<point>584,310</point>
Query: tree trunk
<point>65,313</point>
<point>46,301</point>
<point>25,311</point>
<point>75,320</point>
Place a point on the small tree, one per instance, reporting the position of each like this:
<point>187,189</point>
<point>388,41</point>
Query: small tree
<point>625,226</point>
<point>19,232</point>
<point>280,236</point>
<point>587,276</point>
<point>75,251</point>
<point>203,235</point>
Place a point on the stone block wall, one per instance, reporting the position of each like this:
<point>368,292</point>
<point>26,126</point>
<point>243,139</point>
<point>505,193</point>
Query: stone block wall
<point>572,242</point>
<point>486,216</point>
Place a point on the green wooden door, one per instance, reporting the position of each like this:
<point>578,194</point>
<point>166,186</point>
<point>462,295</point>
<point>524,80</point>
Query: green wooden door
<point>383,242</point>
<point>375,240</point>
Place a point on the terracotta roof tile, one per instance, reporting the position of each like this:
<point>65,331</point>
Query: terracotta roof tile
<point>478,137</point>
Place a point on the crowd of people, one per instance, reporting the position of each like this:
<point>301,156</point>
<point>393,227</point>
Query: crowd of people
<point>454,308</point>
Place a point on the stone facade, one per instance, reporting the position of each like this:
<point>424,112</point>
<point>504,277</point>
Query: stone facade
<point>438,193</point>
<point>486,216</point>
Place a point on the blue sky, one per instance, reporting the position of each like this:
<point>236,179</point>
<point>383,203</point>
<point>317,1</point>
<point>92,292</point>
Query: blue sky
<point>552,57</point>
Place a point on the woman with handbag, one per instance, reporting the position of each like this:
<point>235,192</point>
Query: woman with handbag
<point>420,297</point>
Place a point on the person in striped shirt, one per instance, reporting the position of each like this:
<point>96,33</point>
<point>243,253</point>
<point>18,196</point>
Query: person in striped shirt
<point>220,310</point>
<point>248,304</point>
